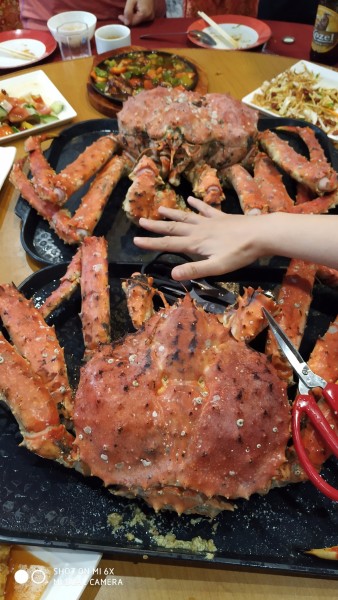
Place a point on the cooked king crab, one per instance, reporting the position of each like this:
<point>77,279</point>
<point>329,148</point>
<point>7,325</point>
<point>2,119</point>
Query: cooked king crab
<point>162,133</point>
<point>182,413</point>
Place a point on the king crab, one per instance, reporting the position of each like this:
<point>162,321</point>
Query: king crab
<point>162,134</point>
<point>211,140</point>
<point>215,412</point>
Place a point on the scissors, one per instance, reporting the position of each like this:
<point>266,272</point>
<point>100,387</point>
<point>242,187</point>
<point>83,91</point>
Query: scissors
<point>305,403</point>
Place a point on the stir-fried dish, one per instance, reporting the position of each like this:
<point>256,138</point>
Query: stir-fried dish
<point>20,114</point>
<point>301,95</point>
<point>127,74</point>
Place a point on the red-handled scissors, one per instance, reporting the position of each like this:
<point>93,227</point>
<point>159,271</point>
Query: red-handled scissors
<point>305,403</point>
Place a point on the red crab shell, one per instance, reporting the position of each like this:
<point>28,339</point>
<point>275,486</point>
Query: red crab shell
<point>170,407</point>
<point>215,127</point>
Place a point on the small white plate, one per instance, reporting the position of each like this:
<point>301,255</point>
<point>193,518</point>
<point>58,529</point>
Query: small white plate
<point>72,571</point>
<point>326,78</point>
<point>36,83</point>
<point>39,44</point>
<point>7,156</point>
<point>34,49</point>
<point>247,31</point>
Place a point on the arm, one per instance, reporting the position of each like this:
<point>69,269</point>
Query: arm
<point>137,11</point>
<point>228,242</point>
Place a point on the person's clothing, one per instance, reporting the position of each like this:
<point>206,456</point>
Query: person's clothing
<point>220,7</point>
<point>9,15</point>
<point>35,13</point>
<point>297,11</point>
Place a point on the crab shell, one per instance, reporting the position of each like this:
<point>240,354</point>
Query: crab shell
<point>215,127</point>
<point>167,413</point>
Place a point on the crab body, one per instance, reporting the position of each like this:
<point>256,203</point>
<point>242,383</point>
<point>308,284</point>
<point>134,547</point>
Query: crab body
<point>169,407</point>
<point>184,128</point>
<point>182,413</point>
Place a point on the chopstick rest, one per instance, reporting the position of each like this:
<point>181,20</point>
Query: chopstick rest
<point>223,34</point>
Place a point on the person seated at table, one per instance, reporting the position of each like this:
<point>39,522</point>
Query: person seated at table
<point>226,242</point>
<point>189,8</point>
<point>296,11</point>
<point>34,14</point>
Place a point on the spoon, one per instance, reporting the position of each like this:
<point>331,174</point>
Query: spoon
<point>201,36</point>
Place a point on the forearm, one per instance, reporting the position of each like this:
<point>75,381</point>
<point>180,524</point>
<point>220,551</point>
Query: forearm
<point>309,237</point>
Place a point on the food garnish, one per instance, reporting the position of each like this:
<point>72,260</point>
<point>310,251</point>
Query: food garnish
<point>130,73</point>
<point>20,114</point>
<point>301,95</point>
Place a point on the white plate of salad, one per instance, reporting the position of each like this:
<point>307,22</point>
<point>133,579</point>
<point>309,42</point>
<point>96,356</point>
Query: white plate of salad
<point>30,103</point>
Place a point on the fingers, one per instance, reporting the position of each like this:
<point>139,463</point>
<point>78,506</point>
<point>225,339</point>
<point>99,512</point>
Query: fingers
<point>204,209</point>
<point>196,270</point>
<point>166,244</point>
<point>128,12</point>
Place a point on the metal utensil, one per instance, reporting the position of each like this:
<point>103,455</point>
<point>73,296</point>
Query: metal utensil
<point>305,404</point>
<point>201,36</point>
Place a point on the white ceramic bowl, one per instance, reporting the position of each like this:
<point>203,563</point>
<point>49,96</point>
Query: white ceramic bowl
<point>72,15</point>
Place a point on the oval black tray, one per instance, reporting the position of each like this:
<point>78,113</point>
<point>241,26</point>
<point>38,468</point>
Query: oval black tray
<point>46,504</point>
<point>44,246</point>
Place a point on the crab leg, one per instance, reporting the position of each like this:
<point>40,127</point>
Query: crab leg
<point>251,200</point>
<point>43,174</point>
<point>18,178</point>
<point>328,276</point>
<point>303,194</point>
<point>316,152</point>
<point>86,217</point>
<point>317,175</point>
<point>72,229</point>
<point>294,298</point>
<point>148,191</point>
<point>245,319</point>
<point>139,292</point>
<point>89,162</point>
<point>68,284</point>
<point>57,218</point>
<point>37,343</point>
<point>270,184</point>
<point>317,205</point>
<point>95,309</point>
<point>32,407</point>
<point>206,184</point>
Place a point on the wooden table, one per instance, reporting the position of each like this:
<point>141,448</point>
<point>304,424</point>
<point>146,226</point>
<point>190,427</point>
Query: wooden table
<point>237,73</point>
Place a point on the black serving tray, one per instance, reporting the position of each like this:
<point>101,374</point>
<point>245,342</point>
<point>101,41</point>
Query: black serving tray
<point>45,504</point>
<point>44,246</point>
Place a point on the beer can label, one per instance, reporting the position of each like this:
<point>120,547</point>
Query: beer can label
<point>325,33</point>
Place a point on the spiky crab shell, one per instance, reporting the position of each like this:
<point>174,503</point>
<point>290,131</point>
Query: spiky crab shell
<point>220,125</point>
<point>181,403</point>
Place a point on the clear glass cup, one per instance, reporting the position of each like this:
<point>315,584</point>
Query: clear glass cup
<point>74,40</point>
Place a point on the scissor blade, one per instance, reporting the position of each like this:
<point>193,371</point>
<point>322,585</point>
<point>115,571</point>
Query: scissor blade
<point>286,346</point>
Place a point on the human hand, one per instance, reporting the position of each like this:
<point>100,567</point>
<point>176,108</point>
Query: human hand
<point>137,11</point>
<point>228,242</point>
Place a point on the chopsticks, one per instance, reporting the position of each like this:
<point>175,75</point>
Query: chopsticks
<point>223,34</point>
<point>16,53</point>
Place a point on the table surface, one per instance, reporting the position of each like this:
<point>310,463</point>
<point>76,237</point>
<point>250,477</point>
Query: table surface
<point>236,73</point>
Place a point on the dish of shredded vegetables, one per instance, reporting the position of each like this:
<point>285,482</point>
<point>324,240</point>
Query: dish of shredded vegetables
<point>306,91</point>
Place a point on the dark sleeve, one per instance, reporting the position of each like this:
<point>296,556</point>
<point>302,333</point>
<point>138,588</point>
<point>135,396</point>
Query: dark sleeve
<point>298,11</point>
